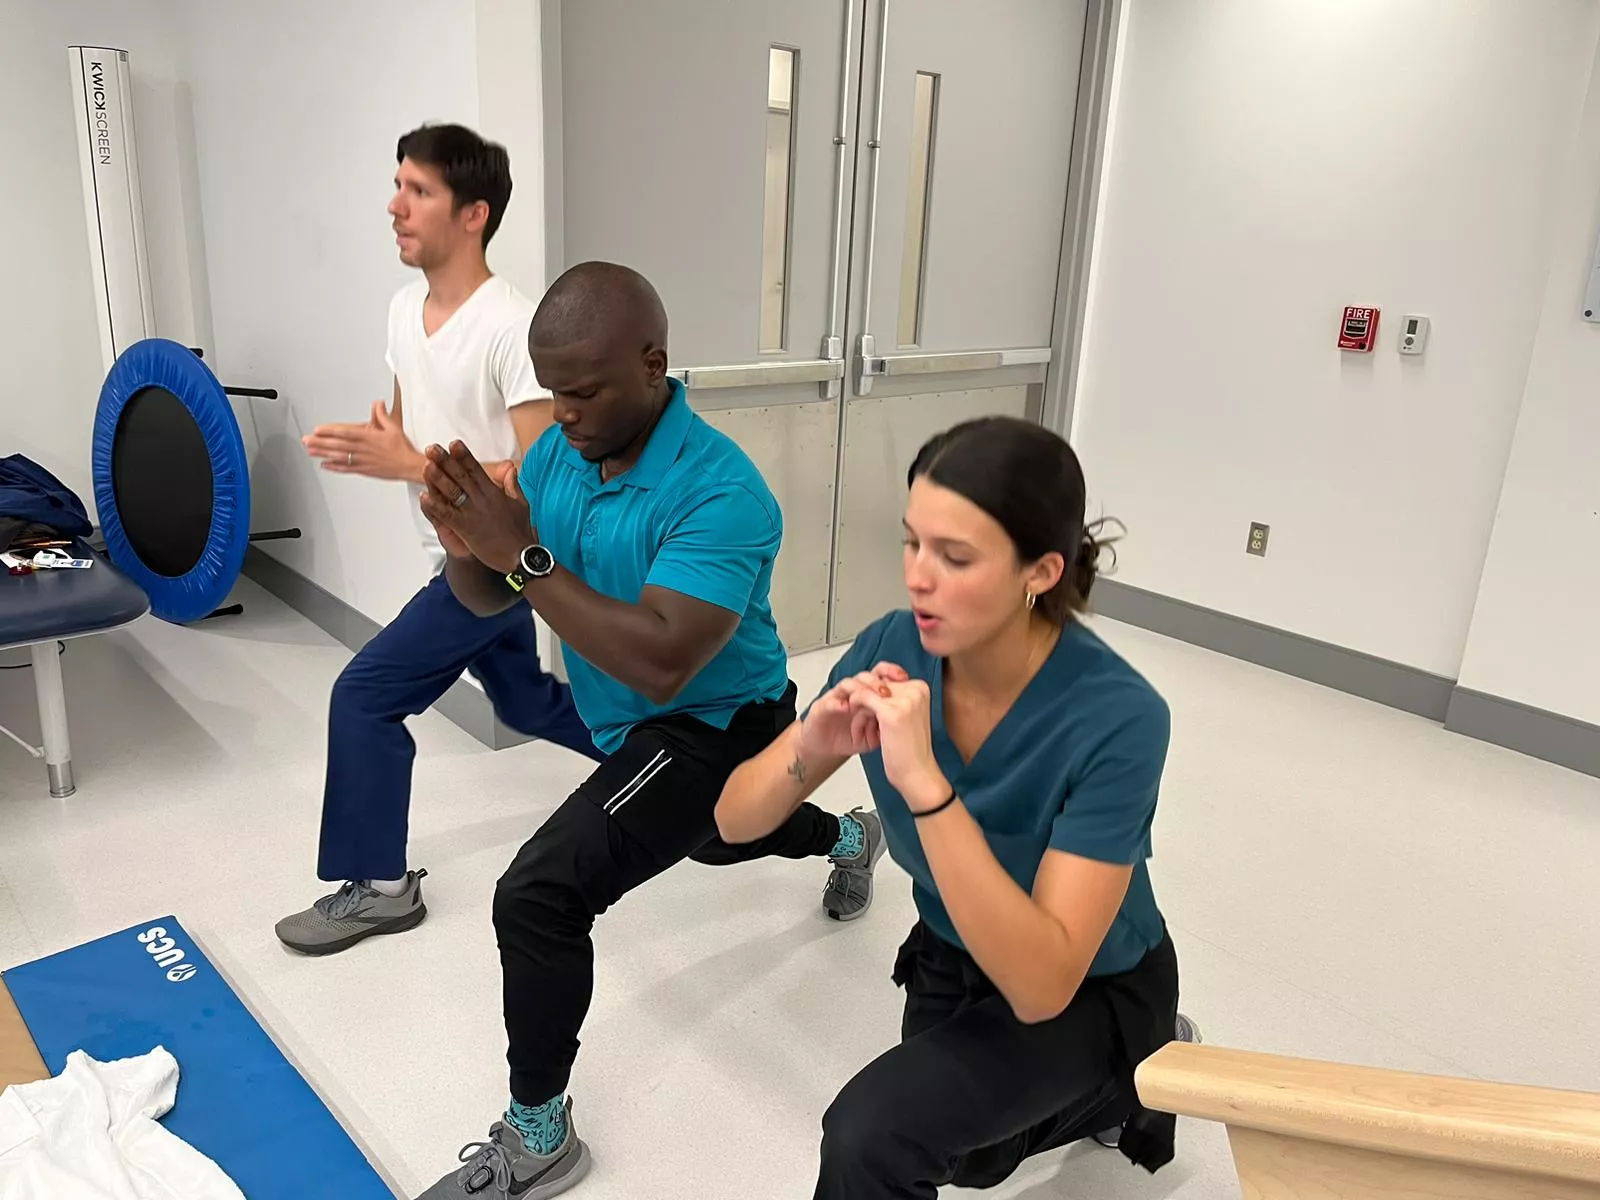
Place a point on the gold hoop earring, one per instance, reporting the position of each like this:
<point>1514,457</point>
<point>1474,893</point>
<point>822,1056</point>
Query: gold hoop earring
<point>1030,601</point>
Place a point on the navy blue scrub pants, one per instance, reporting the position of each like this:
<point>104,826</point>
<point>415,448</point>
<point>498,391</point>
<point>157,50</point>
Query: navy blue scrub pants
<point>412,662</point>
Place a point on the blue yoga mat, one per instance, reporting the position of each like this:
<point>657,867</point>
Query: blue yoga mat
<point>240,1102</point>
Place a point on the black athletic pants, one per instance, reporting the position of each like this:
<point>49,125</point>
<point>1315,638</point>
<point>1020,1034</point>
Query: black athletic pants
<point>648,806</point>
<point>971,1091</point>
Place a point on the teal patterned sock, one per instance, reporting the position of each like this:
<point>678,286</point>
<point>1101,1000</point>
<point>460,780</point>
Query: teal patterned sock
<point>543,1127</point>
<point>852,838</point>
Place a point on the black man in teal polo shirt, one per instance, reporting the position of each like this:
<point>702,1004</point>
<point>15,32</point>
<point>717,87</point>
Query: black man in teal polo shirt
<point>646,540</point>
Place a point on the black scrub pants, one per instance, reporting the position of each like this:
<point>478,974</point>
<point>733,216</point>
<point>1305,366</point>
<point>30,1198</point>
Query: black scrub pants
<point>971,1091</point>
<point>648,806</point>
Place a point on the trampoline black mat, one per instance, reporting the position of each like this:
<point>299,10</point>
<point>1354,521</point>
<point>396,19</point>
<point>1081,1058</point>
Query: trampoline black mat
<point>161,476</point>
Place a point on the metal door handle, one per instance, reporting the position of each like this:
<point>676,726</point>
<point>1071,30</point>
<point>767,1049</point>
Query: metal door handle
<point>950,362</point>
<point>806,370</point>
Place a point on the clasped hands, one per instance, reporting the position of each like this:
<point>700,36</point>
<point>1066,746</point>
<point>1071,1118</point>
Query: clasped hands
<point>477,515</point>
<point>881,709</point>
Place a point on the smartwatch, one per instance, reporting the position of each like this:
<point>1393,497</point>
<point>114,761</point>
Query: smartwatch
<point>535,562</point>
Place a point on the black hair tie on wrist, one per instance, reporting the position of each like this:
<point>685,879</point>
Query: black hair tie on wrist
<point>931,811</point>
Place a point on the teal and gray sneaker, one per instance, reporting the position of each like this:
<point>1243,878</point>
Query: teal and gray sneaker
<point>353,913</point>
<point>503,1168</point>
<point>849,890</point>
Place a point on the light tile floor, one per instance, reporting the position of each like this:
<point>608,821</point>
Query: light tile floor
<point>1342,881</point>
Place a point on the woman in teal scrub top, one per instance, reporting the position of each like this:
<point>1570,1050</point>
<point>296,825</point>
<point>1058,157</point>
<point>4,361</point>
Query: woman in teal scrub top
<point>1015,760</point>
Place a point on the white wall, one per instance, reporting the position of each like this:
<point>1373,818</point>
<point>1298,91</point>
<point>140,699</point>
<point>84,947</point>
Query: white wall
<point>1536,632</point>
<point>48,341</point>
<point>511,112</point>
<point>266,136</point>
<point>297,108</point>
<point>1272,162</point>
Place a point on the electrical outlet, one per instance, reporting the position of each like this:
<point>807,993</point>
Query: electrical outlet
<point>1258,539</point>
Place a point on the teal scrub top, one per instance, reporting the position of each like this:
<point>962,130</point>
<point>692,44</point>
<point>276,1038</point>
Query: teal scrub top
<point>693,515</point>
<point>1075,765</point>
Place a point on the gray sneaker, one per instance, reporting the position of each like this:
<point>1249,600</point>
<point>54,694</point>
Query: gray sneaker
<point>849,890</point>
<point>1184,1031</point>
<point>354,912</point>
<point>503,1168</point>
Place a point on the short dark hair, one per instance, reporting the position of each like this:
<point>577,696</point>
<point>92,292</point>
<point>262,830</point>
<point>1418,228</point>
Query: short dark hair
<point>1030,481</point>
<point>473,169</point>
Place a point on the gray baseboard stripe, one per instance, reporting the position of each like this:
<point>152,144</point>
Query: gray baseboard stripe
<point>1402,687</point>
<point>463,704</point>
<point>1533,731</point>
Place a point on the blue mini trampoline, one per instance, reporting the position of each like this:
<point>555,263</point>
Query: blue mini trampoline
<point>171,480</point>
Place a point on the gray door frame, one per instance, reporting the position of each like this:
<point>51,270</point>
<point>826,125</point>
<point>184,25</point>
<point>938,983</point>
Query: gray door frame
<point>1085,182</point>
<point>550,92</point>
<point>1054,384</point>
<point>1085,179</point>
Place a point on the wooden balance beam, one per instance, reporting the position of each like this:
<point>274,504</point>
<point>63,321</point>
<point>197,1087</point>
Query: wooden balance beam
<point>1305,1130</point>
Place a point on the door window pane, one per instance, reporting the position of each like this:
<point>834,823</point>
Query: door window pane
<point>919,182</point>
<point>782,67</point>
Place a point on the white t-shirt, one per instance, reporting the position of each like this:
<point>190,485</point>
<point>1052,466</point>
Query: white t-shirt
<point>460,382</point>
<point>94,1133</point>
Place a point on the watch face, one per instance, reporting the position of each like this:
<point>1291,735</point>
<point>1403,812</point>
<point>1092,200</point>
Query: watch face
<point>536,560</point>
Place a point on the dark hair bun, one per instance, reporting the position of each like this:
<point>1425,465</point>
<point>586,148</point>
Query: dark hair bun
<point>1085,568</point>
<point>1029,480</point>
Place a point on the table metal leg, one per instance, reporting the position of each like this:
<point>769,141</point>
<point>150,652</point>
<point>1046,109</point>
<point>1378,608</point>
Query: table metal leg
<point>53,717</point>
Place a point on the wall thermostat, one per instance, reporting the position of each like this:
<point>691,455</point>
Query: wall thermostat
<point>1358,330</point>
<point>1413,334</point>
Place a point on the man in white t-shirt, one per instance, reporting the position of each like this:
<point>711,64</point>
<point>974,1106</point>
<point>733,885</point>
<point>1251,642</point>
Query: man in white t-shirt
<point>458,349</point>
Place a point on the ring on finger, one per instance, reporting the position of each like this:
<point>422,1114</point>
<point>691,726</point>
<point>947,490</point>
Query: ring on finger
<point>460,500</point>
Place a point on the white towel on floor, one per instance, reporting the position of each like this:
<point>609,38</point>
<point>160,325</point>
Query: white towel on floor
<point>92,1133</point>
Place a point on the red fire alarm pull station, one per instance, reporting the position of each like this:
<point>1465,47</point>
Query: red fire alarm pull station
<point>1359,329</point>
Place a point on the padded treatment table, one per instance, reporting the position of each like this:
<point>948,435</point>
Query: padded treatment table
<point>241,1103</point>
<point>53,606</point>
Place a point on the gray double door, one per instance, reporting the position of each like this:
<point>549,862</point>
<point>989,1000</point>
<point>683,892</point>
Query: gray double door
<point>853,210</point>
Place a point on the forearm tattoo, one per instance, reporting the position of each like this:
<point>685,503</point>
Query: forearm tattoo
<point>797,770</point>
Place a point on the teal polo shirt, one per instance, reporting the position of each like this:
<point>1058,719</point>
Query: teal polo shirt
<point>1075,765</point>
<point>693,515</point>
